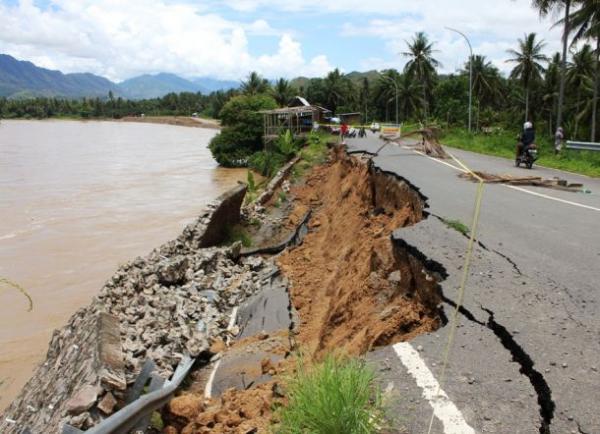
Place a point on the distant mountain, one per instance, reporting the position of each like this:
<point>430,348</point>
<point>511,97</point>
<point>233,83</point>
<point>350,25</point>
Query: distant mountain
<point>213,84</point>
<point>23,79</point>
<point>157,85</point>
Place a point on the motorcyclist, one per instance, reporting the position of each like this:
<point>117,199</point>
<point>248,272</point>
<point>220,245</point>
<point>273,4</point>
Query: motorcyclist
<point>526,139</point>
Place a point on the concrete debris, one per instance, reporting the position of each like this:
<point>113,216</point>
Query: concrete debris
<point>107,404</point>
<point>537,181</point>
<point>83,399</point>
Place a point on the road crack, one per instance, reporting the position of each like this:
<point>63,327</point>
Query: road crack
<point>536,378</point>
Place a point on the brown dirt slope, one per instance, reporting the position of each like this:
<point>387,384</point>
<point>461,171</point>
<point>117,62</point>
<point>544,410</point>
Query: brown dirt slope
<point>352,288</point>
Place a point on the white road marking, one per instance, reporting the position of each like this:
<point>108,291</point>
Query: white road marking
<point>552,197</point>
<point>443,408</point>
<point>545,196</point>
<point>211,379</point>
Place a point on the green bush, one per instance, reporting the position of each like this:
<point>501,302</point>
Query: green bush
<point>266,163</point>
<point>336,396</point>
<point>242,131</point>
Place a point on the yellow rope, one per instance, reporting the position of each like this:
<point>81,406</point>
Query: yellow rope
<point>20,289</point>
<point>463,282</point>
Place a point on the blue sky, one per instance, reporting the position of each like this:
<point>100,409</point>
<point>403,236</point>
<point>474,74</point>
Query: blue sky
<point>228,39</point>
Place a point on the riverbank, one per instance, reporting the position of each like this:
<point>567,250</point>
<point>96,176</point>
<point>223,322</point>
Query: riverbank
<point>184,121</point>
<point>121,189</point>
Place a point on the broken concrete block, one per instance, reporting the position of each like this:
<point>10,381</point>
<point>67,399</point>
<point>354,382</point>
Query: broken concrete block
<point>107,404</point>
<point>83,400</point>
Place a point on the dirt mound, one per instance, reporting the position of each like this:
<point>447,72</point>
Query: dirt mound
<point>236,412</point>
<point>352,287</point>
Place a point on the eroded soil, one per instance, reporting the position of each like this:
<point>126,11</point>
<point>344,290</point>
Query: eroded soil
<point>352,287</point>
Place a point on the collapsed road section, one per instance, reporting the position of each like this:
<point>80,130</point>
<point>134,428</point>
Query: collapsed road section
<point>347,288</point>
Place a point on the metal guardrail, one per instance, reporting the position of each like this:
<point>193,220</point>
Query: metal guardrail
<point>583,146</point>
<point>130,416</point>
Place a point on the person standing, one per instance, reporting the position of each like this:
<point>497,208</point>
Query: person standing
<point>559,137</point>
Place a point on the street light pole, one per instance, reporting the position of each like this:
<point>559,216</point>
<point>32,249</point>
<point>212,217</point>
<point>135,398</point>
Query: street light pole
<point>470,70</point>
<point>396,88</point>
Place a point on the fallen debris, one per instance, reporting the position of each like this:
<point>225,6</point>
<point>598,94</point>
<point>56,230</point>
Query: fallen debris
<point>537,181</point>
<point>429,142</point>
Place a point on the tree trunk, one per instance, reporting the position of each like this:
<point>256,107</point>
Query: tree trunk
<point>526,104</point>
<point>577,114</point>
<point>595,99</point>
<point>563,65</point>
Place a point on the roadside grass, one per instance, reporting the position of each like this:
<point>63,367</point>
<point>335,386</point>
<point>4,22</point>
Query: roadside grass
<point>314,153</point>
<point>339,395</point>
<point>503,145</point>
<point>457,225</point>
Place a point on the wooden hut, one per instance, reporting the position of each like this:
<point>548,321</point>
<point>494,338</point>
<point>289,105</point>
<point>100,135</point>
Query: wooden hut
<point>299,117</point>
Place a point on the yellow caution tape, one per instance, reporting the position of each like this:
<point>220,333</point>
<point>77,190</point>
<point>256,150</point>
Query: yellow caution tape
<point>463,282</point>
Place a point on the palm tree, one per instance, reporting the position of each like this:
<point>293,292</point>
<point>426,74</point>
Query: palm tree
<point>585,24</point>
<point>335,87</point>
<point>486,82</point>
<point>544,7</point>
<point>421,64</point>
<point>282,92</point>
<point>550,89</point>
<point>528,67</point>
<point>255,84</point>
<point>409,94</point>
<point>579,73</point>
<point>365,93</point>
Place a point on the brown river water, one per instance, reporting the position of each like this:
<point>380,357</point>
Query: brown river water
<point>76,200</point>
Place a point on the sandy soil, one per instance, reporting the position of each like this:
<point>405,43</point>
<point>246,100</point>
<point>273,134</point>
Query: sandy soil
<point>183,121</point>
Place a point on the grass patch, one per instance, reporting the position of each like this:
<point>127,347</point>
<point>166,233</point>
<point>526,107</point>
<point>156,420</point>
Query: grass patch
<point>237,233</point>
<point>457,225</point>
<point>335,396</point>
<point>502,144</point>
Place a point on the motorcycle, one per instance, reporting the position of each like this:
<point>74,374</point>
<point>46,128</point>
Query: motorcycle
<point>527,156</point>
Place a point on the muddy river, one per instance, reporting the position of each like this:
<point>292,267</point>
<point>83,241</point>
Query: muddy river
<point>76,200</point>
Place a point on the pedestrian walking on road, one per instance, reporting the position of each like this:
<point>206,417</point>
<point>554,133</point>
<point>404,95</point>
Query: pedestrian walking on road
<point>559,137</point>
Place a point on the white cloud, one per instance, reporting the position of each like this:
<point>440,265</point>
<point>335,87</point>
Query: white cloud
<point>492,25</point>
<point>122,39</point>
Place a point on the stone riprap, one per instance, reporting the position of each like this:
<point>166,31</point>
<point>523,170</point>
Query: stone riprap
<point>175,300</point>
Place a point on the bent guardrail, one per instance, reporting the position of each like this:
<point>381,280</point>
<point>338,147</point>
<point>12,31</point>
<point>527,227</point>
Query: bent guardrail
<point>583,146</point>
<point>139,410</point>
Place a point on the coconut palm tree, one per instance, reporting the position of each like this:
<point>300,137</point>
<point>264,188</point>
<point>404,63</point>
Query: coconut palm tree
<point>365,94</point>
<point>336,88</point>
<point>579,73</point>
<point>545,7</point>
<point>409,95</point>
<point>486,82</point>
<point>528,67</point>
<point>421,64</point>
<point>282,92</point>
<point>254,84</point>
<point>550,89</point>
<point>585,24</point>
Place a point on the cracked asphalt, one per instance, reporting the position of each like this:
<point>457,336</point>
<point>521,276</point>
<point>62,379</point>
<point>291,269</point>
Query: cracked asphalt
<point>526,357</point>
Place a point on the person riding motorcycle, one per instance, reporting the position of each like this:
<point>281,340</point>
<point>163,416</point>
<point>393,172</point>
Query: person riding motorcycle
<point>526,139</point>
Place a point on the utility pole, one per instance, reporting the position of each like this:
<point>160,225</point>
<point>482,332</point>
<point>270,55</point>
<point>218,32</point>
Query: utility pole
<point>470,70</point>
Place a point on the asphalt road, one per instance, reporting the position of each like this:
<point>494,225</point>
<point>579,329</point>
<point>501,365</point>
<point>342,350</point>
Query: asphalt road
<point>526,358</point>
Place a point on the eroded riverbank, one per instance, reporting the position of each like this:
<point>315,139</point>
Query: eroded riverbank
<point>79,198</point>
